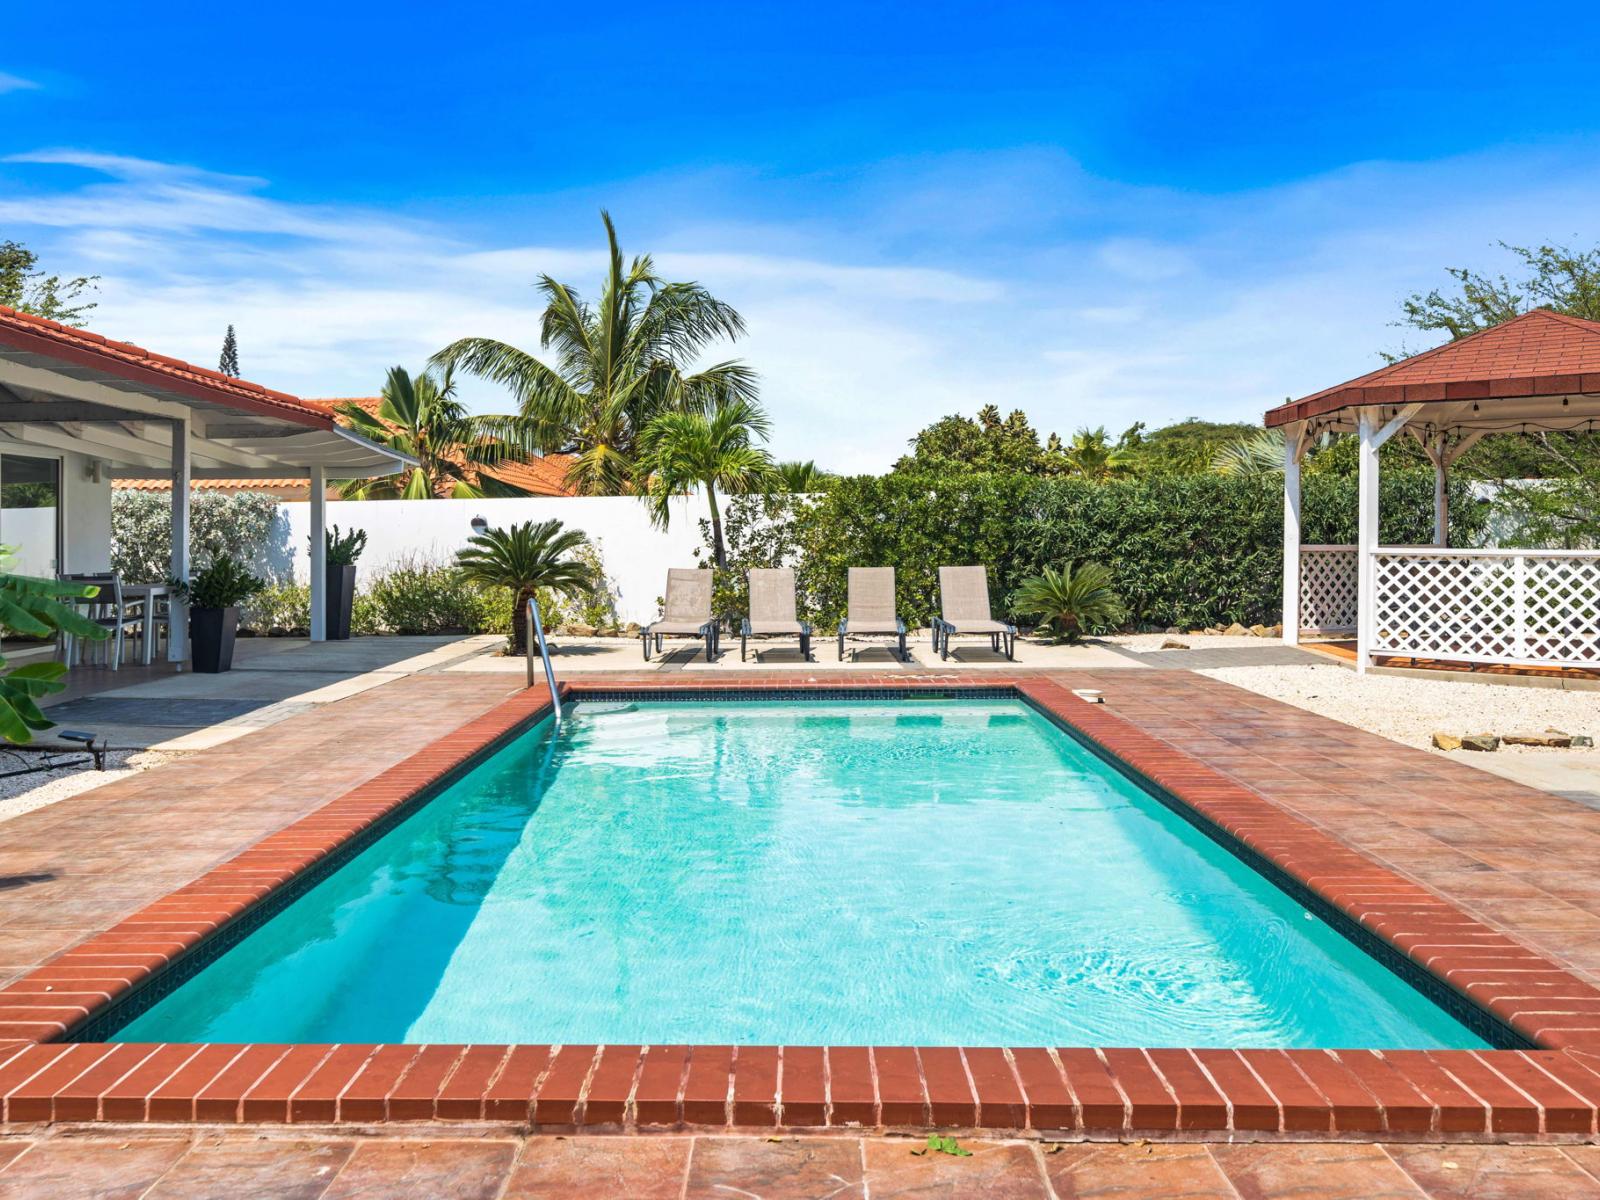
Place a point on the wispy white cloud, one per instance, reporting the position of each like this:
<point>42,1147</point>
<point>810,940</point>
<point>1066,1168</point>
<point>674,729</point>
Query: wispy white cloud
<point>921,289</point>
<point>15,83</point>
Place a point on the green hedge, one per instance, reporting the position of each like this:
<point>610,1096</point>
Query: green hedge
<point>1185,550</point>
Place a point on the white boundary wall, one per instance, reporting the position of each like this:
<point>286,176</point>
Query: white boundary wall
<point>636,553</point>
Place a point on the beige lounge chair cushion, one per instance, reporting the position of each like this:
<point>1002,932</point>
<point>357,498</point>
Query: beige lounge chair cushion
<point>772,604</point>
<point>775,627</point>
<point>688,600</point>
<point>870,601</point>
<point>693,627</point>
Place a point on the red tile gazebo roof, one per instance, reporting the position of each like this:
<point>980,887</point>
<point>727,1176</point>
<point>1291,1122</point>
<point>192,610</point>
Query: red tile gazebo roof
<point>1522,366</point>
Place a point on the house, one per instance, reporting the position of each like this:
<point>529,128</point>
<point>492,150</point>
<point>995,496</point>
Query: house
<point>78,410</point>
<point>544,476</point>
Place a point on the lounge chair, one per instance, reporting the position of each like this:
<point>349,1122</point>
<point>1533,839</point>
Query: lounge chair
<point>687,612</point>
<point>772,610</point>
<point>964,611</point>
<point>870,608</point>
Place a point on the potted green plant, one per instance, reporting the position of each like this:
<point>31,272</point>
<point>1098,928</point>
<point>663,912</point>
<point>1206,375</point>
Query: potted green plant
<point>342,551</point>
<point>214,596</point>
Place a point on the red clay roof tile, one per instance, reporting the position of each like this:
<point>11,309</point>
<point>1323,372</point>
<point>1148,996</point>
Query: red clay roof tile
<point>1540,353</point>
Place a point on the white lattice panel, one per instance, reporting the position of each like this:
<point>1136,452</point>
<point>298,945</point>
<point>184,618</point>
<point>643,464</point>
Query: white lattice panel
<point>1328,587</point>
<point>1534,607</point>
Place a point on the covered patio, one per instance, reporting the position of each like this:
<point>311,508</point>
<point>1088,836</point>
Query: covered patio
<point>1522,611</point>
<point>78,410</point>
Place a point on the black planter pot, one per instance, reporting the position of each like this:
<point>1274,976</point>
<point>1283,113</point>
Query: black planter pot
<point>341,600</point>
<point>211,634</point>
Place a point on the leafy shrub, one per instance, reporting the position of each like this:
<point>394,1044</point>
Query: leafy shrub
<point>416,596</point>
<point>242,525</point>
<point>1182,550</point>
<point>279,608</point>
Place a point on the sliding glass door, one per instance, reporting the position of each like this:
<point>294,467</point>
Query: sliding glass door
<point>30,516</point>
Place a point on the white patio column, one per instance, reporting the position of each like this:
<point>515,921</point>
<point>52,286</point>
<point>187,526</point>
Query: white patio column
<point>1441,493</point>
<point>1366,535</point>
<point>319,554</point>
<point>1292,435</point>
<point>178,610</point>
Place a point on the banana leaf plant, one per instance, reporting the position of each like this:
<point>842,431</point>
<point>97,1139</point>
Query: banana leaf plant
<point>32,607</point>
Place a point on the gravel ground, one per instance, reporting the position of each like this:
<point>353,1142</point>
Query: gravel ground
<point>1410,710</point>
<point>1144,642</point>
<point>24,793</point>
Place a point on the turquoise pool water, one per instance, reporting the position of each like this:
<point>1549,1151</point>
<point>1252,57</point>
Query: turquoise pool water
<point>895,872</point>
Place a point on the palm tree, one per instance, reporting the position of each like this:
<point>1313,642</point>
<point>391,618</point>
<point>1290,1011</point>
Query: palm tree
<point>618,364</point>
<point>527,558</point>
<point>682,450</point>
<point>801,477</point>
<point>1252,457</point>
<point>1071,600</point>
<point>1091,455</point>
<point>420,416</point>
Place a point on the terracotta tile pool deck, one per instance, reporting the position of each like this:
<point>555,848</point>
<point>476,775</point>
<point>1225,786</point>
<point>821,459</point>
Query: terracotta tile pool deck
<point>1487,886</point>
<point>177,1164</point>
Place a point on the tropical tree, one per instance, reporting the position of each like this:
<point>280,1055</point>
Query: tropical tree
<point>420,416</point>
<point>618,364</point>
<point>1071,600</point>
<point>801,477</point>
<point>1092,455</point>
<point>527,558</point>
<point>1253,457</point>
<point>26,288</point>
<point>682,450</point>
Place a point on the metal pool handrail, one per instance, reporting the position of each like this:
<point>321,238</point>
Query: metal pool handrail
<point>537,629</point>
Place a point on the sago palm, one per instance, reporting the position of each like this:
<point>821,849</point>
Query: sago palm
<point>420,416</point>
<point>1071,600</point>
<point>527,558</point>
<point>617,364</point>
<point>715,449</point>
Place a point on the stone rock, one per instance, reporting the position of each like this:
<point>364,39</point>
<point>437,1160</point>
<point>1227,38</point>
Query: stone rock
<point>631,629</point>
<point>1236,630</point>
<point>1276,631</point>
<point>1172,629</point>
<point>580,630</point>
<point>1260,631</point>
<point>1174,644</point>
<point>1480,741</point>
<point>1446,741</point>
<point>1582,741</point>
<point>1554,739</point>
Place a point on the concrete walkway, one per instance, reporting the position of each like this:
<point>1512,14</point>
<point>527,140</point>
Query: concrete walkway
<point>272,679</point>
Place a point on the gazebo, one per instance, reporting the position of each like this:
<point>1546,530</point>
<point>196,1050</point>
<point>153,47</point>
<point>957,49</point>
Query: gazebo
<point>1507,608</point>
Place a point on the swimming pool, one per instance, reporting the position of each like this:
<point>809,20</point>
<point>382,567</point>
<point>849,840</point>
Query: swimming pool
<point>830,871</point>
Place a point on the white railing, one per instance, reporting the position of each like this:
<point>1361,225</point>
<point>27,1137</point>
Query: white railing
<point>1328,590</point>
<point>1517,607</point>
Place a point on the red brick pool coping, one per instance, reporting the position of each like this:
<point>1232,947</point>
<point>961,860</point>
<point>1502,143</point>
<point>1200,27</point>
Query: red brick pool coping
<point>1552,1091</point>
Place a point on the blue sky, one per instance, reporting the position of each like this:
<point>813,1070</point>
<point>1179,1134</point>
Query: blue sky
<point>1096,213</point>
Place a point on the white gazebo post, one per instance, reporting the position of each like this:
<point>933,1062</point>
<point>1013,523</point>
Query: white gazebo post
<point>1441,492</point>
<point>319,554</point>
<point>1293,443</point>
<point>1373,436</point>
<point>178,608</point>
